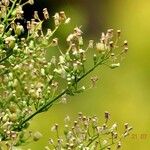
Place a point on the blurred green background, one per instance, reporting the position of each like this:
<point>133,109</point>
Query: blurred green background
<point>124,92</point>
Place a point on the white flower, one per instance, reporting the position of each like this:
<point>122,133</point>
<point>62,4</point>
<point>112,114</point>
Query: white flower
<point>70,37</point>
<point>105,142</point>
<point>61,60</point>
<point>114,126</point>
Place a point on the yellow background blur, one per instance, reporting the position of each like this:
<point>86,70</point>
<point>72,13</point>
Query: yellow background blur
<point>124,92</point>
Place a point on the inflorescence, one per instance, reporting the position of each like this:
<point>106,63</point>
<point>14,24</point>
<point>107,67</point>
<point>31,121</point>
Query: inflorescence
<point>30,83</point>
<point>86,133</point>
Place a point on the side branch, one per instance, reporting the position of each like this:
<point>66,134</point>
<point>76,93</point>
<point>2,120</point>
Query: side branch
<point>50,103</point>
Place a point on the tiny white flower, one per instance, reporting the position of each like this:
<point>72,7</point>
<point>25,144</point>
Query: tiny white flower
<point>105,142</point>
<point>67,20</point>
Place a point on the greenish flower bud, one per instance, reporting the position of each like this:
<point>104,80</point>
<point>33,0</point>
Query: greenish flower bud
<point>91,44</point>
<point>81,51</point>
<point>61,60</point>
<point>13,117</point>
<point>31,44</point>
<point>5,118</point>
<point>43,72</point>
<point>53,60</point>
<point>19,29</point>
<point>75,66</point>
<point>1,28</point>
<point>80,40</point>
<point>55,42</point>
<point>37,135</point>
<point>10,42</point>
<point>15,83</point>
<point>95,59</point>
<point>100,47</point>
<point>12,108</point>
<point>67,57</point>
<point>9,32</point>
<point>61,71</point>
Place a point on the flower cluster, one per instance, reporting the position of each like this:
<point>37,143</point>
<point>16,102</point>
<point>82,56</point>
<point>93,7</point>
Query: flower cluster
<point>87,134</point>
<point>25,74</point>
<point>30,83</point>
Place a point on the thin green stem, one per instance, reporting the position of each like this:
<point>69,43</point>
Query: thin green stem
<point>10,11</point>
<point>50,103</point>
<point>90,70</point>
<point>92,140</point>
<point>8,55</point>
<point>107,146</point>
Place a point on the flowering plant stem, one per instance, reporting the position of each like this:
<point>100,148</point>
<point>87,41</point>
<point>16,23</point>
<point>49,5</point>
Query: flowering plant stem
<point>50,103</point>
<point>10,11</point>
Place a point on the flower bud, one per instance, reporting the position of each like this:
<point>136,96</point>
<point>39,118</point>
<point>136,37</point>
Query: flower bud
<point>80,39</point>
<point>114,127</point>
<point>61,59</point>
<point>42,71</point>
<point>77,31</point>
<point>47,148</point>
<point>62,15</point>
<point>10,42</point>
<point>19,29</point>
<point>125,49</point>
<point>9,32</point>
<point>37,135</point>
<point>46,14</point>
<point>112,66</point>
<point>104,142</point>
<point>55,42</point>
<point>1,28</point>
<point>125,43</point>
<point>67,57</point>
<point>56,19</point>
<point>13,117</point>
<point>75,66</point>
<point>6,2</point>
<point>126,125</point>
<point>100,47</point>
<point>12,108</point>
<point>67,20</point>
<point>95,59</point>
<point>91,44</point>
<point>118,33</point>
<point>111,43</point>
<point>70,38</point>
<point>107,115</point>
<point>49,33</point>
<point>36,16</point>
<point>119,145</point>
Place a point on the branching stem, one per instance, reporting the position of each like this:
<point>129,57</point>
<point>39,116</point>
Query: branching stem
<point>50,103</point>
